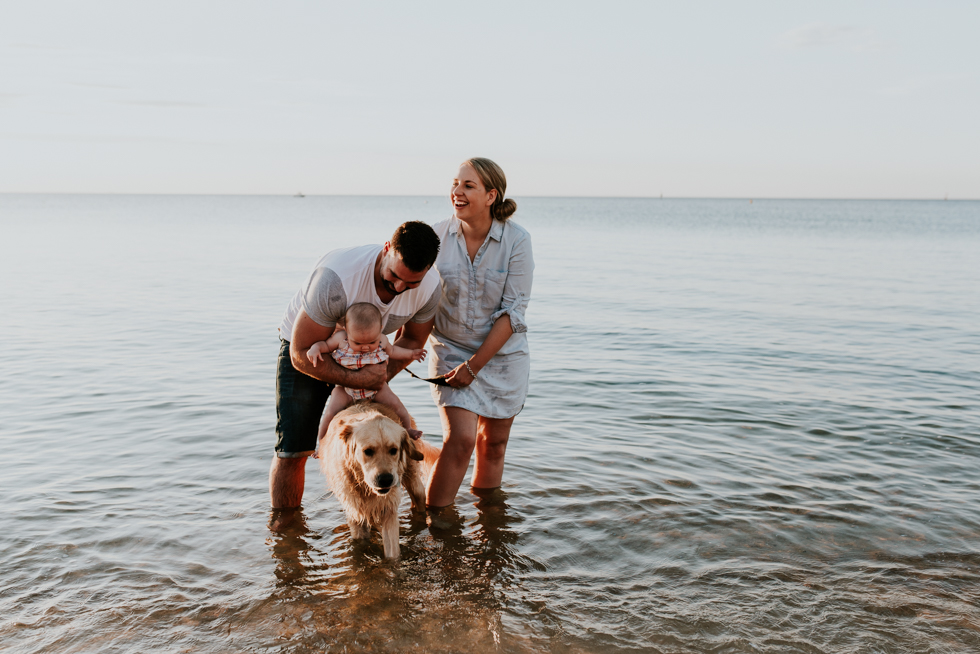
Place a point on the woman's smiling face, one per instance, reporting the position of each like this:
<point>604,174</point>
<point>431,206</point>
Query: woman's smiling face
<point>469,197</point>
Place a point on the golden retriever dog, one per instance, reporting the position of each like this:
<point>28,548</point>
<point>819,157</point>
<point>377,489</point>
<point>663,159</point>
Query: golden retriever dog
<point>368,457</point>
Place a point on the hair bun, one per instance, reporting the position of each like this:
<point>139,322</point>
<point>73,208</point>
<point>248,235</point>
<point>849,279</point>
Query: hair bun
<point>505,209</point>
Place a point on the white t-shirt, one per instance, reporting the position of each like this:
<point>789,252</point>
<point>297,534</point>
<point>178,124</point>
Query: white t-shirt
<point>344,277</point>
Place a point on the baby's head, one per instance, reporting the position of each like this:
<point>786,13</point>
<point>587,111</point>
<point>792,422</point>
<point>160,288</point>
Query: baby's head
<point>363,324</point>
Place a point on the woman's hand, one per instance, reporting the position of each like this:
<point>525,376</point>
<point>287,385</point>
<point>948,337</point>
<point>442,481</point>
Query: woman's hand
<point>459,377</point>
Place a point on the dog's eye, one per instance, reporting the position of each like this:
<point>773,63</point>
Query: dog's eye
<point>393,451</point>
<point>369,452</point>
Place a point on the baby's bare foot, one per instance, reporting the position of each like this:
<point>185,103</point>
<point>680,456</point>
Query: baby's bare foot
<point>415,434</point>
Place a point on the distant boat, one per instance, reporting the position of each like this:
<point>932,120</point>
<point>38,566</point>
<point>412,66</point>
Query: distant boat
<point>299,195</point>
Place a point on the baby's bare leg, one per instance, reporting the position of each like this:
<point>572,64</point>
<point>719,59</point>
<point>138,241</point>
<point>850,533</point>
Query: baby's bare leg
<point>339,400</point>
<point>387,397</point>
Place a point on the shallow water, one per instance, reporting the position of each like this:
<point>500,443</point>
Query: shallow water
<point>751,428</point>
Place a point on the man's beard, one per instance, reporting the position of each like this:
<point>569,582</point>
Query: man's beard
<point>390,287</point>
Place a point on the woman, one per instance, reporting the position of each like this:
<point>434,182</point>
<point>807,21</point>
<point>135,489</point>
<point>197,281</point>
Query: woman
<point>479,341</point>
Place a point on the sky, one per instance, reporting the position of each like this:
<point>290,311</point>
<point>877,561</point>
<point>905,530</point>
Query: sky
<point>787,99</point>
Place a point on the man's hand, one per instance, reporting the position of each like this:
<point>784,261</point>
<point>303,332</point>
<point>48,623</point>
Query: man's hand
<point>371,377</point>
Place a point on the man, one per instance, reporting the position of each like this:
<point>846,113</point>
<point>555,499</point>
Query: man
<point>399,279</point>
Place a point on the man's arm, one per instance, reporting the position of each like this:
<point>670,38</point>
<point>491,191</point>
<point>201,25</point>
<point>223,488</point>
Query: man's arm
<point>412,337</point>
<point>306,332</point>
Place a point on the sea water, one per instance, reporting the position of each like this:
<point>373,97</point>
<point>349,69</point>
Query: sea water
<point>751,427</point>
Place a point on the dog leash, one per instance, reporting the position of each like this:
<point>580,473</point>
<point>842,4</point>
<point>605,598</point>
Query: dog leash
<point>438,381</point>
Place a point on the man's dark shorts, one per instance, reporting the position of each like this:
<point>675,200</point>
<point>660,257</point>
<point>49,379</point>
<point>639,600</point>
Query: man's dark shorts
<point>299,405</point>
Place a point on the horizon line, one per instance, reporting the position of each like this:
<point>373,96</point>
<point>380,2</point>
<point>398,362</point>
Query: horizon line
<point>301,195</point>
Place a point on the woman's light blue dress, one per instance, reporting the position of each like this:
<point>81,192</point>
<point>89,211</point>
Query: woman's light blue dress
<point>476,294</point>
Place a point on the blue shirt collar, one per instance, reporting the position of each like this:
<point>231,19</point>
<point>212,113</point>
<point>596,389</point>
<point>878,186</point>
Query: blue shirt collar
<point>496,229</point>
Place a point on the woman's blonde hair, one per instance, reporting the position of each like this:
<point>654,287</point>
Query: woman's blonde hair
<point>493,177</point>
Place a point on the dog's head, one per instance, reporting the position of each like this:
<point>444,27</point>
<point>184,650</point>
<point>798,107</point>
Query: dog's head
<point>381,449</point>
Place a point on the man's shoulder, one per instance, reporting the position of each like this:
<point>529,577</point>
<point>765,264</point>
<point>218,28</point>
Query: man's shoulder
<point>430,282</point>
<point>344,272</point>
<point>352,260</point>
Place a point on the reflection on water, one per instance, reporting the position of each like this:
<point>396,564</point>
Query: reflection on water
<point>290,542</point>
<point>448,593</point>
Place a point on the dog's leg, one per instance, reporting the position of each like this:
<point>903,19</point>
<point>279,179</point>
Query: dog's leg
<point>389,536</point>
<point>412,481</point>
<point>359,529</point>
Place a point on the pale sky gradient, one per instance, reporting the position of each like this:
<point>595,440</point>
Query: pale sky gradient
<point>691,99</point>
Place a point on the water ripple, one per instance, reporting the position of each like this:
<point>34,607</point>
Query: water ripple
<point>762,437</point>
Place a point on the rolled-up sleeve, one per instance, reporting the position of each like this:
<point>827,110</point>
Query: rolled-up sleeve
<point>324,299</point>
<point>517,287</point>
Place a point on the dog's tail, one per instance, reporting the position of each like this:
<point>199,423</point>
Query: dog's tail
<point>430,452</point>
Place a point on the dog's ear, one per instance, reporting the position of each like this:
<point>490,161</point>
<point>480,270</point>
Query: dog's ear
<point>408,447</point>
<point>345,431</point>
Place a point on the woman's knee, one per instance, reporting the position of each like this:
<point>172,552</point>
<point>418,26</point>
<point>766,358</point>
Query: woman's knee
<point>492,440</point>
<point>459,445</point>
<point>460,427</point>
<point>493,449</point>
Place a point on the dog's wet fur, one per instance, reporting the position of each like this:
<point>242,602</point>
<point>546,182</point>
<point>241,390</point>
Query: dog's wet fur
<point>368,457</point>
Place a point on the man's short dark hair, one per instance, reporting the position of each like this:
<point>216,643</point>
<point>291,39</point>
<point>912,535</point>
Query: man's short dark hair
<point>417,244</point>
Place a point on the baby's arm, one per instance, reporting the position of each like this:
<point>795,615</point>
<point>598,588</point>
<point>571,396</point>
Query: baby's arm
<point>401,353</point>
<point>325,347</point>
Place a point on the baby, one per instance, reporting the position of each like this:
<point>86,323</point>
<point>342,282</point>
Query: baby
<point>361,344</point>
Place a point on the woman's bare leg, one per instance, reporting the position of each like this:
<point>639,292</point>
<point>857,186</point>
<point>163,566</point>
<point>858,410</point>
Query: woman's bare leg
<point>459,439</point>
<point>491,445</point>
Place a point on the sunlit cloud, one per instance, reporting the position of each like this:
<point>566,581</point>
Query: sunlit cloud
<point>820,35</point>
<point>36,46</point>
<point>7,99</point>
<point>104,139</point>
<point>164,104</point>
<point>913,85</point>
<point>906,87</point>
<point>89,85</point>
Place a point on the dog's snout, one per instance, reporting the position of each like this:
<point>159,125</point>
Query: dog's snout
<point>385,479</point>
